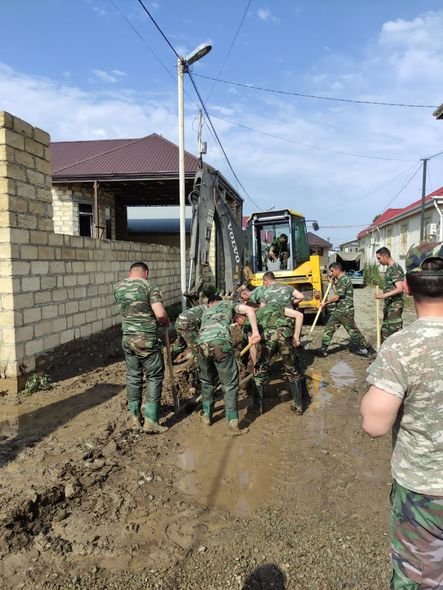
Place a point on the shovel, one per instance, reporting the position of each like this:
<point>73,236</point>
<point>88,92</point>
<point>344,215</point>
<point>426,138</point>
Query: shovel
<point>314,323</point>
<point>171,372</point>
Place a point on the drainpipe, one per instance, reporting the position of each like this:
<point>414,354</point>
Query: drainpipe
<point>438,203</point>
<point>96,219</point>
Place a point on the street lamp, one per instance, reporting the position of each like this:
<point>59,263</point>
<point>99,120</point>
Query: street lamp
<point>183,64</point>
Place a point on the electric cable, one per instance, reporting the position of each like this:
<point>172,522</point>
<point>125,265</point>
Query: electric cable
<point>354,201</point>
<point>307,145</point>
<point>403,187</point>
<point>330,98</point>
<point>230,49</point>
<point>142,39</point>
<point>218,139</point>
<point>158,28</point>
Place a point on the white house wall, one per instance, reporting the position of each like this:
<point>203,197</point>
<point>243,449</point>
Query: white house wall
<point>390,235</point>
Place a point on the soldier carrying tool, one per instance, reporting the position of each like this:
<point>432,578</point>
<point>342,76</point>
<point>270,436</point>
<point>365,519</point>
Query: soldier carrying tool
<point>343,315</point>
<point>392,294</point>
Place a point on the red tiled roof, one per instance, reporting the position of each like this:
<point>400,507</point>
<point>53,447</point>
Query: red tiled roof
<point>314,240</point>
<point>150,155</point>
<point>391,214</point>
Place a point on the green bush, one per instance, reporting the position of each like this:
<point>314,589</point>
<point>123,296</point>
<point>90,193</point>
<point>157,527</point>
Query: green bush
<point>372,276</point>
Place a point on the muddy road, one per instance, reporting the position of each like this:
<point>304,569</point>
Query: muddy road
<point>300,502</point>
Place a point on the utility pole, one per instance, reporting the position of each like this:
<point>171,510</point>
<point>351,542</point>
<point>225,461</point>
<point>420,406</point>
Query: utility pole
<point>423,196</point>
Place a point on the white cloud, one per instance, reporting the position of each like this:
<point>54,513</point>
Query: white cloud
<point>108,77</point>
<point>69,113</point>
<point>265,14</point>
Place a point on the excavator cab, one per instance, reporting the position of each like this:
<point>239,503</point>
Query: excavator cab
<point>277,241</point>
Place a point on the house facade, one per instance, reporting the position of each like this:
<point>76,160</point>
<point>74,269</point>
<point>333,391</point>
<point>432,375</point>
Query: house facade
<point>399,229</point>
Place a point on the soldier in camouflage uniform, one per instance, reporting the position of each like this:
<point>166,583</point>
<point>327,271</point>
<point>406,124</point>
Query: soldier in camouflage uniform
<point>216,357</point>
<point>275,318</point>
<point>276,324</point>
<point>187,326</point>
<point>142,310</point>
<point>279,250</point>
<point>343,314</point>
<point>406,393</point>
<point>392,294</point>
<point>275,293</point>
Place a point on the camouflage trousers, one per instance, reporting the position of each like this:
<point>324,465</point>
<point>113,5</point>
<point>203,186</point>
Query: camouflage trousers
<point>347,321</point>
<point>392,320</point>
<point>186,339</point>
<point>218,359</point>
<point>416,540</point>
<point>143,358</point>
<point>274,341</point>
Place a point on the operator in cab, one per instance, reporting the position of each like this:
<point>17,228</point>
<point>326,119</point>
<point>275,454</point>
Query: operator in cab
<point>279,250</point>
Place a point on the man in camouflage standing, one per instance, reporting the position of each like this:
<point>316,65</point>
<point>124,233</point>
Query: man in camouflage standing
<point>142,310</point>
<point>343,314</point>
<point>216,357</point>
<point>406,394</point>
<point>392,294</point>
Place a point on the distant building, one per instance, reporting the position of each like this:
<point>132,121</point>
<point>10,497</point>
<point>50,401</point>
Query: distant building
<point>318,245</point>
<point>352,246</point>
<point>399,229</point>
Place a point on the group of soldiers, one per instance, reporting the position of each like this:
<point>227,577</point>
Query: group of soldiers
<point>270,325</point>
<point>268,321</point>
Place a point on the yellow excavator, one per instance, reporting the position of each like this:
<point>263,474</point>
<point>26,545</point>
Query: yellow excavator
<point>274,241</point>
<point>277,241</point>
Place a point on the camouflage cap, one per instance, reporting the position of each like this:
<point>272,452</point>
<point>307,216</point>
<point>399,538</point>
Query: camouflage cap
<point>419,253</point>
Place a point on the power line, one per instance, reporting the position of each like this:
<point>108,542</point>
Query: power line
<point>403,187</point>
<point>354,201</point>
<point>350,100</point>
<point>218,139</point>
<point>230,48</point>
<point>158,28</point>
<point>141,38</point>
<point>307,145</point>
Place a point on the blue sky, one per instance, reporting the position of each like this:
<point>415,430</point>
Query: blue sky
<point>78,70</point>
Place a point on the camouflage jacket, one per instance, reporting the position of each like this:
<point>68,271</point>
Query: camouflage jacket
<point>257,294</point>
<point>216,322</point>
<point>134,298</point>
<point>272,317</point>
<point>191,318</point>
<point>345,290</point>
<point>275,294</point>
<point>410,366</point>
<point>393,274</point>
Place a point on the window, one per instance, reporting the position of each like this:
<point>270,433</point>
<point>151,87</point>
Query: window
<point>85,219</point>
<point>389,238</point>
<point>108,223</point>
<point>403,239</point>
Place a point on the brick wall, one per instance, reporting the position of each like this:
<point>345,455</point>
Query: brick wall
<point>55,288</point>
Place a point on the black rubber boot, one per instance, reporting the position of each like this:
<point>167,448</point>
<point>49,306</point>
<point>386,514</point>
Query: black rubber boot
<point>323,351</point>
<point>297,396</point>
<point>256,392</point>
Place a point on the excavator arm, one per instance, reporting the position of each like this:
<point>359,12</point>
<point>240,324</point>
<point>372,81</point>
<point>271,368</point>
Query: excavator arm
<point>208,207</point>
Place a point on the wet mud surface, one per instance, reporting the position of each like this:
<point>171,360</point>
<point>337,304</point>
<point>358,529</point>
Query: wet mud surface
<point>300,502</point>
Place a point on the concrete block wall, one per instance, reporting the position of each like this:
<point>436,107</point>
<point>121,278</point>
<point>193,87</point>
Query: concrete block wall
<point>55,288</point>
